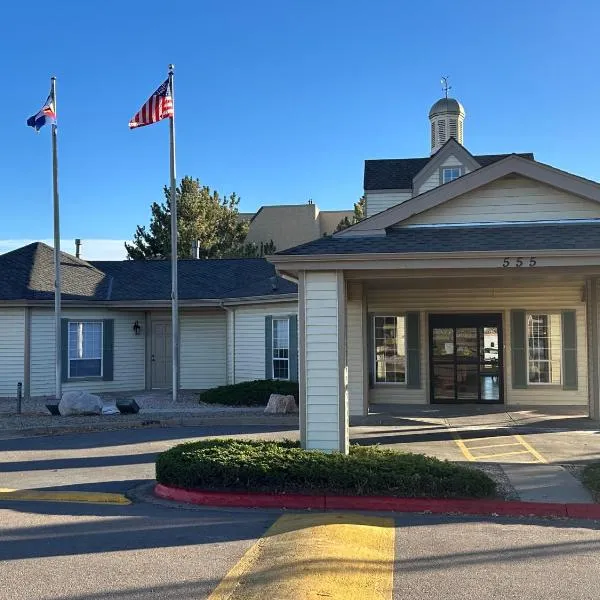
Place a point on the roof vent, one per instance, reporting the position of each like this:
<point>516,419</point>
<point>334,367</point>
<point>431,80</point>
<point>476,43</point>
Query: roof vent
<point>274,283</point>
<point>77,248</point>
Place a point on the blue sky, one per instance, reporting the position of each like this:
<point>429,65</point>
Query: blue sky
<point>278,100</point>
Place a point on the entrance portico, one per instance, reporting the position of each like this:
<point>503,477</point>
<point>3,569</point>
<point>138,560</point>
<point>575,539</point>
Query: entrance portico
<point>378,336</point>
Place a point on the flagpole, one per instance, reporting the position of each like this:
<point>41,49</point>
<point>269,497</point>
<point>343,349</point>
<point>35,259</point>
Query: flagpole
<point>57,277</point>
<point>174,290</point>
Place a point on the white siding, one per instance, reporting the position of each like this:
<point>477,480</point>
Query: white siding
<point>473,297</point>
<point>509,199</point>
<point>250,338</point>
<point>433,180</point>
<point>203,350</point>
<point>355,337</point>
<point>129,352</point>
<point>230,344</point>
<point>12,350</point>
<point>380,201</point>
<point>322,364</point>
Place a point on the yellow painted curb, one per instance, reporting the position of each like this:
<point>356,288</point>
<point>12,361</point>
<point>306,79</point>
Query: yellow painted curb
<point>310,557</point>
<point>50,496</point>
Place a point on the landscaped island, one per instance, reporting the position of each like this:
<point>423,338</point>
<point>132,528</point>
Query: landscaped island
<point>285,468</point>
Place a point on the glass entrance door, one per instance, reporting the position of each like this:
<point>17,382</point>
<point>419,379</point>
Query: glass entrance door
<point>466,358</point>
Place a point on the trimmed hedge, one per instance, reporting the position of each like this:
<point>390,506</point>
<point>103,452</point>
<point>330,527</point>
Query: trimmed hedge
<point>591,478</point>
<point>283,467</point>
<point>249,393</point>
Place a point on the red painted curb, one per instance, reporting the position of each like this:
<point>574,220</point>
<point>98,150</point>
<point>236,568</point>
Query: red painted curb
<point>379,503</point>
<point>241,499</point>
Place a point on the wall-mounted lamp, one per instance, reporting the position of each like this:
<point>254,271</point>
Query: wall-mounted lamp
<point>137,328</point>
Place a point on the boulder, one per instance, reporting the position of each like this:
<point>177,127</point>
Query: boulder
<point>279,404</point>
<point>80,403</point>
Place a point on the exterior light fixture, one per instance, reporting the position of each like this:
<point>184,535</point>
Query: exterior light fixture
<point>137,328</point>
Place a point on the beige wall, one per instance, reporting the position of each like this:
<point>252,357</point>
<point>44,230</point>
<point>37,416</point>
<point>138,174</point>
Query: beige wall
<point>378,201</point>
<point>246,355</point>
<point>510,198</point>
<point>433,180</point>
<point>129,352</point>
<point>12,350</point>
<point>477,296</point>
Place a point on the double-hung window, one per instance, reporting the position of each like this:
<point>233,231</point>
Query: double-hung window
<point>281,348</point>
<point>390,349</point>
<point>85,349</point>
<point>450,174</point>
<point>544,347</point>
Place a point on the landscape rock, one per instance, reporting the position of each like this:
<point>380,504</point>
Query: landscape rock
<point>280,405</point>
<point>80,403</point>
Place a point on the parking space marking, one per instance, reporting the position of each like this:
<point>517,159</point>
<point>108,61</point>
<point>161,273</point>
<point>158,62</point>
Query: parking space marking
<point>470,452</point>
<point>337,556</point>
<point>58,496</point>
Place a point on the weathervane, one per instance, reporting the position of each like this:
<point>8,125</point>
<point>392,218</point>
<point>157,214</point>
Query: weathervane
<point>445,86</point>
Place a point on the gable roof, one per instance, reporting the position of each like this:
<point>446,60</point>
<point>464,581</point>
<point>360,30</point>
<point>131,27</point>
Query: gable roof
<point>468,238</point>
<point>398,174</point>
<point>27,273</point>
<point>510,164</point>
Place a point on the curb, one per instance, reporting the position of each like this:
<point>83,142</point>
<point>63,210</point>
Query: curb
<point>379,503</point>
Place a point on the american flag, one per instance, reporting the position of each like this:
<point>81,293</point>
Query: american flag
<point>159,106</point>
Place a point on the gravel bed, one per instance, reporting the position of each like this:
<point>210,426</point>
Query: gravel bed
<point>504,488</point>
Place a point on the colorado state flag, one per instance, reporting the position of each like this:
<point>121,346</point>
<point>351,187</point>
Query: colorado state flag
<point>46,114</point>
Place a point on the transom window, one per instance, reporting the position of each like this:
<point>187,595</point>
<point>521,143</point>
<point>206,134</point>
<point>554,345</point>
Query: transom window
<point>85,349</point>
<point>544,348</point>
<point>281,348</point>
<point>450,174</point>
<point>390,349</point>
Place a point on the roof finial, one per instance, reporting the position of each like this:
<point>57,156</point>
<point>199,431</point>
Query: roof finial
<point>445,86</point>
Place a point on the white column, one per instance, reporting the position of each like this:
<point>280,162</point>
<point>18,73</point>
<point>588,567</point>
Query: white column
<point>323,370</point>
<point>593,347</point>
<point>356,337</point>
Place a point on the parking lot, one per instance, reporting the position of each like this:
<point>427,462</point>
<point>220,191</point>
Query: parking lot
<point>484,434</point>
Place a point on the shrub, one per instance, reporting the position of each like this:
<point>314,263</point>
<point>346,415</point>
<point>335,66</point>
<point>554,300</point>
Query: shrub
<point>249,393</point>
<point>591,478</point>
<point>240,465</point>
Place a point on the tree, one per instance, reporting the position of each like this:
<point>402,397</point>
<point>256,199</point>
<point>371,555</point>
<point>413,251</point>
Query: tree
<point>359,215</point>
<point>201,215</point>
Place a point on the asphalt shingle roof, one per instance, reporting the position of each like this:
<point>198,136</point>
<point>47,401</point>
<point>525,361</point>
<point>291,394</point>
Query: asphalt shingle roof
<point>398,173</point>
<point>28,274</point>
<point>528,237</point>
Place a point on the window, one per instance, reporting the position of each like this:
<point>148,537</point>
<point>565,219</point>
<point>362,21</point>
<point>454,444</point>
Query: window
<point>390,349</point>
<point>544,348</point>
<point>85,349</point>
<point>281,348</point>
<point>450,174</point>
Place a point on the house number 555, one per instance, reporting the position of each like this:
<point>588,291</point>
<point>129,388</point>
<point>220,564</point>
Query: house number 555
<point>519,262</point>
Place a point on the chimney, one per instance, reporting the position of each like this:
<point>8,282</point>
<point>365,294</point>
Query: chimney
<point>77,248</point>
<point>195,249</point>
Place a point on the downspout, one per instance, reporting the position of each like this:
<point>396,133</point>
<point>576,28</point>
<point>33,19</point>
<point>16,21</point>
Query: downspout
<point>231,311</point>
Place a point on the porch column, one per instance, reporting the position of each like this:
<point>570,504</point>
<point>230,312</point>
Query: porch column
<point>593,347</point>
<point>322,369</point>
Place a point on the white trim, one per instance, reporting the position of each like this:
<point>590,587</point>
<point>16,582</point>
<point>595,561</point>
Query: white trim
<point>374,358</point>
<point>273,359</point>
<point>497,223</point>
<point>69,359</point>
<point>530,383</point>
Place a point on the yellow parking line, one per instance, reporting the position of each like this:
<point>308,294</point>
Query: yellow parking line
<point>333,556</point>
<point>50,496</point>
<point>463,448</point>
<point>493,446</point>
<point>531,449</point>
<point>501,454</point>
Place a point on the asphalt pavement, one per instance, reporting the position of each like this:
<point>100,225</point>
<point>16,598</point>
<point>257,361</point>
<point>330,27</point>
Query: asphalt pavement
<point>153,549</point>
